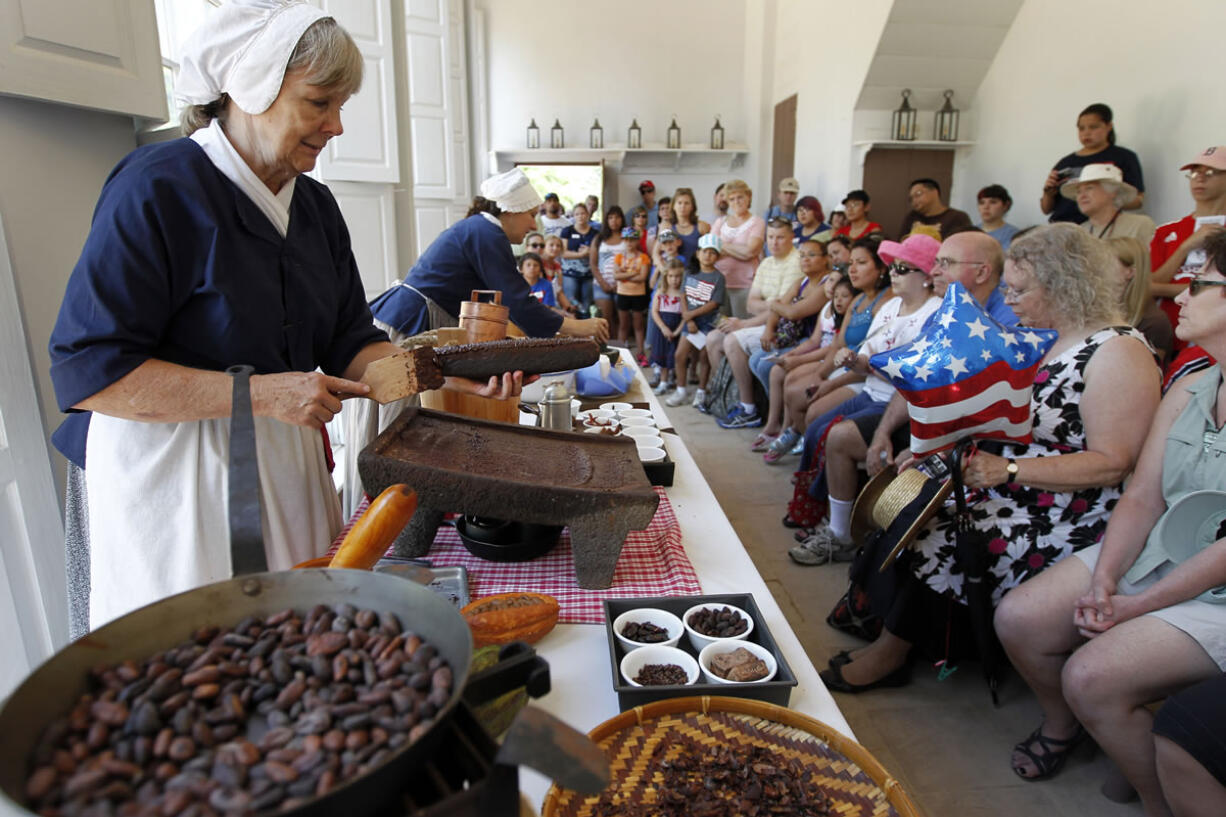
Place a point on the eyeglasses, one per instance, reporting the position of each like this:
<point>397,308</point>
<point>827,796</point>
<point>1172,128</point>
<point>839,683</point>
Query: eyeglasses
<point>1204,173</point>
<point>1015,295</point>
<point>537,245</point>
<point>945,263</point>
<point>898,268</point>
<point>1198,285</point>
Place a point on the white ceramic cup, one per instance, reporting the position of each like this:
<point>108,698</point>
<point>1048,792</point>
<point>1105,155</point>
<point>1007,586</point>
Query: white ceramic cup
<point>729,645</point>
<point>660,618</point>
<point>698,640</point>
<point>635,660</point>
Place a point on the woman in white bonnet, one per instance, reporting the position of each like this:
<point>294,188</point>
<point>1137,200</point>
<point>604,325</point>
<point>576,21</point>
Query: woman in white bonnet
<point>475,253</point>
<point>205,252</point>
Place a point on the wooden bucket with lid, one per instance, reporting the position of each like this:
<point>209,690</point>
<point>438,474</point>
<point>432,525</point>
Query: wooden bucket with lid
<point>484,319</point>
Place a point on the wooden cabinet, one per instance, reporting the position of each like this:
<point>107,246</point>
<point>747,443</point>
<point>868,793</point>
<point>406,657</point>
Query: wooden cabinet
<point>100,54</point>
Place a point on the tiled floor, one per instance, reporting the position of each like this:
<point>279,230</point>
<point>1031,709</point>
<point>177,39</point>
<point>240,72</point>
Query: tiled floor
<point>943,739</point>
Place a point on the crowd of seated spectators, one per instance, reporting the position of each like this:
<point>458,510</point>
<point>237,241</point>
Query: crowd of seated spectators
<point>796,300</point>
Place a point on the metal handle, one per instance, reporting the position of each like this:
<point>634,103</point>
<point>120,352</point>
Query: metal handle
<point>246,532</point>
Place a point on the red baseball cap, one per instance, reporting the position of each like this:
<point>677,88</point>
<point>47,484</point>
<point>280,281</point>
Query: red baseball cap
<point>646,185</point>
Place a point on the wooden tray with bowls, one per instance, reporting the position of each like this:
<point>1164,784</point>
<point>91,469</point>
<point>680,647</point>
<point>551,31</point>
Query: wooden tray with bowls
<point>636,742</point>
<point>777,690</point>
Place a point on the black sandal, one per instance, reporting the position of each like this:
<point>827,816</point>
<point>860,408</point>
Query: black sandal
<point>1055,752</point>
<point>789,522</point>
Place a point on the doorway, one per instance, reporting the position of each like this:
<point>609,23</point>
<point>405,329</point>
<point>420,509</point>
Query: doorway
<point>572,182</point>
<point>783,149</point>
<point>887,176</point>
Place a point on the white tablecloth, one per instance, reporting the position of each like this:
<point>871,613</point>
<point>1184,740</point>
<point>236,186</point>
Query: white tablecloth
<point>578,654</point>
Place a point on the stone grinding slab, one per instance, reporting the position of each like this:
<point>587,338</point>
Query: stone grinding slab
<point>594,484</point>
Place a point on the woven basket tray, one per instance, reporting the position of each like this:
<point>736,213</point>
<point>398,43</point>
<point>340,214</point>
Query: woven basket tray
<point>857,785</point>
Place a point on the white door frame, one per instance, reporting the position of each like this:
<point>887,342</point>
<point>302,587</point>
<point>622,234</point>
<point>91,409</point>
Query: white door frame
<point>33,600</point>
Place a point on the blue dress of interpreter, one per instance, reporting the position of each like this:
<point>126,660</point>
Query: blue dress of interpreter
<point>180,265</point>
<point>473,253</point>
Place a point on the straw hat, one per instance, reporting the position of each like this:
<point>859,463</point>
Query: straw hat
<point>899,504</point>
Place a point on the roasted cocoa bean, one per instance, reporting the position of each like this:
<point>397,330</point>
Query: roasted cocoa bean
<point>206,691</point>
<point>291,693</point>
<point>175,702</point>
<point>111,713</point>
<point>280,772</point>
<point>144,720</point>
<point>97,736</point>
<point>181,749</point>
<point>230,800</point>
<point>161,745</point>
<point>209,674</point>
<point>39,784</point>
<point>390,623</point>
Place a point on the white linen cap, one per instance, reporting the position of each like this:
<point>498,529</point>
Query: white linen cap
<point>512,192</point>
<point>242,50</point>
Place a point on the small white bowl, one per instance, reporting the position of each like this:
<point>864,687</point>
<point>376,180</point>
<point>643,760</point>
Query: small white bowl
<point>660,618</point>
<point>633,412</point>
<point>645,422</point>
<point>649,453</point>
<point>597,413</point>
<point>615,406</point>
<point>697,640</point>
<point>725,646</point>
<point>635,660</point>
<point>574,409</point>
<point>642,432</point>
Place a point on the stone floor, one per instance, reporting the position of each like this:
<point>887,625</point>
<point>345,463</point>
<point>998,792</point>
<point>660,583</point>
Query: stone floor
<point>942,739</point>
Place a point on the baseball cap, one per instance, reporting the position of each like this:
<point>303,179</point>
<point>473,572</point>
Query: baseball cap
<point>710,241</point>
<point>553,196</point>
<point>917,250</point>
<point>789,185</point>
<point>1214,157</point>
<point>646,185</point>
<point>666,235</point>
<point>629,232</point>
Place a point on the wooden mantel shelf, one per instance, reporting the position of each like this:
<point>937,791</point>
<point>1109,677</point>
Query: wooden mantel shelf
<point>692,158</point>
<point>865,145</point>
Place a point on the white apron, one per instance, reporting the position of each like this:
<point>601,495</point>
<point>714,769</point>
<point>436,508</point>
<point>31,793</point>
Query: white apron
<point>158,522</point>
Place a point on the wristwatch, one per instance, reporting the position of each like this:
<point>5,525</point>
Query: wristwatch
<point>1011,470</point>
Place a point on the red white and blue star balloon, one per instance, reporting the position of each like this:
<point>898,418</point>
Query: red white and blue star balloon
<point>965,375</point>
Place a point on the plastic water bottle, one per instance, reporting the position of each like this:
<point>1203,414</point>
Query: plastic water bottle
<point>594,311</point>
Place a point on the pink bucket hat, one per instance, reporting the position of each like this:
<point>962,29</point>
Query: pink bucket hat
<point>918,250</point>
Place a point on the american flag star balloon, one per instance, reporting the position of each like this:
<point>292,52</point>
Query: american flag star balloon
<point>965,375</point>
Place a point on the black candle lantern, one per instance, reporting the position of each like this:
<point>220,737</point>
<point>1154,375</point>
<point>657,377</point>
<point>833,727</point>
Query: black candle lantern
<point>557,139</point>
<point>596,138</point>
<point>634,136</point>
<point>946,124</point>
<point>674,135</point>
<point>717,135</point>
<point>903,126</point>
<point>534,135</point>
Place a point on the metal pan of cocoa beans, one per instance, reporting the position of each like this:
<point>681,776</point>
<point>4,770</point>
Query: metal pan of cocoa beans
<point>308,692</point>
<point>305,692</point>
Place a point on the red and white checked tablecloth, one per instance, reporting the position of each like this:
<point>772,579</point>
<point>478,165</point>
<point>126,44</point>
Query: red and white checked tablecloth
<point>652,563</point>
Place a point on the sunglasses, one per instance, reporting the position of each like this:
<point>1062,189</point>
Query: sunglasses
<point>898,268</point>
<point>537,244</point>
<point>1198,285</point>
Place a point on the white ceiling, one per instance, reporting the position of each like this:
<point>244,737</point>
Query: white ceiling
<point>933,45</point>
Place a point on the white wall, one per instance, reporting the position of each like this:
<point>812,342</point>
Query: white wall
<point>1158,69</point>
<point>52,167</point>
<point>822,53</point>
<point>646,60</point>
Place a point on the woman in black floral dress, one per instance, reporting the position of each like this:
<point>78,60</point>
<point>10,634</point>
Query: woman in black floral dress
<point>1094,397</point>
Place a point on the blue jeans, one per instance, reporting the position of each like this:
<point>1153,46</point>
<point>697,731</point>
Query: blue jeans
<point>579,291</point>
<point>862,405</point>
<point>761,366</point>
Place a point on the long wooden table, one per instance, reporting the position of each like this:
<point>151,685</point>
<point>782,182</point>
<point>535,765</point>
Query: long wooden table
<point>578,653</point>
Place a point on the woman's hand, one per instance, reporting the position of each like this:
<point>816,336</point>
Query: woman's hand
<point>1091,621</point>
<point>1095,607</point>
<point>983,470</point>
<point>306,399</point>
<point>767,340</point>
<point>508,387</point>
